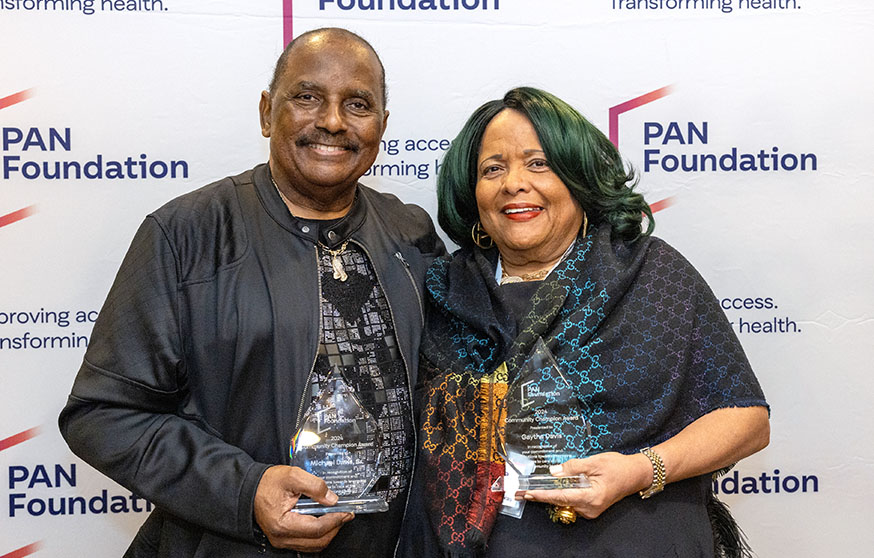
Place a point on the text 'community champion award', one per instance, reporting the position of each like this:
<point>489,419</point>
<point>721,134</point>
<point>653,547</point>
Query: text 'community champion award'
<point>545,425</point>
<point>340,442</point>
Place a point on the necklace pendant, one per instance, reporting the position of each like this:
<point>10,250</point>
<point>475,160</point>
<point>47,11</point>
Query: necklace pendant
<point>337,266</point>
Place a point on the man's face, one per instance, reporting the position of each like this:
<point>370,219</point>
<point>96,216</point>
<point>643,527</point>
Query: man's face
<point>324,118</point>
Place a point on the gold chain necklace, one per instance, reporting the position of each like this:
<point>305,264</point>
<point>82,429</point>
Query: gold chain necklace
<point>534,276</point>
<point>336,262</point>
<point>538,275</point>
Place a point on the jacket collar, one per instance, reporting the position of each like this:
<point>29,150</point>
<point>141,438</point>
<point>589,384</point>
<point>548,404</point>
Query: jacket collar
<point>331,233</point>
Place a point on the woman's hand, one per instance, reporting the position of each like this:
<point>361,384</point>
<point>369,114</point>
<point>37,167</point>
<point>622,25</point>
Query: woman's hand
<point>613,476</point>
<point>715,440</point>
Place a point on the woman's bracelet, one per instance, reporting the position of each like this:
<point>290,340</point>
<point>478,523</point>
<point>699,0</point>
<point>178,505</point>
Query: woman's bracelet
<point>658,473</point>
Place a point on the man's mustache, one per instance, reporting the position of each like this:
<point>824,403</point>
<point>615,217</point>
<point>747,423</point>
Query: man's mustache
<point>324,139</point>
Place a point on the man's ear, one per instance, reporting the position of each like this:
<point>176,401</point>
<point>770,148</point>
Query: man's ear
<point>265,110</point>
<point>384,123</point>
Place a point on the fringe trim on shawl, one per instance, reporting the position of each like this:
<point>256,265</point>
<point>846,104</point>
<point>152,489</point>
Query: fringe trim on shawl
<point>729,539</point>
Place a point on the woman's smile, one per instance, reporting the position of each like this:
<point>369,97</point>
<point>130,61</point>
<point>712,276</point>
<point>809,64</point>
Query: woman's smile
<point>521,211</point>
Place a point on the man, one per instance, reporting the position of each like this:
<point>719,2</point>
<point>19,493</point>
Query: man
<point>230,310</point>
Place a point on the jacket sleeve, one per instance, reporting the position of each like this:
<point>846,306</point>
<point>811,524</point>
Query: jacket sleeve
<point>123,416</point>
<point>427,241</point>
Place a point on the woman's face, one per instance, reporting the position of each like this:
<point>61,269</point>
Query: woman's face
<point>522,204</point>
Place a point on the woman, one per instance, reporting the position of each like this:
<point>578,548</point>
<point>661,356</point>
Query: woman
<point>551,247</point>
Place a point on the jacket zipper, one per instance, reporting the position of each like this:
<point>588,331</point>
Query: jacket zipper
<point>306,390</point>
<point>399,256</point>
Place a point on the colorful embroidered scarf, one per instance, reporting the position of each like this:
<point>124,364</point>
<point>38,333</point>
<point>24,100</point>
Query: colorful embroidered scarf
<point>632,325</point>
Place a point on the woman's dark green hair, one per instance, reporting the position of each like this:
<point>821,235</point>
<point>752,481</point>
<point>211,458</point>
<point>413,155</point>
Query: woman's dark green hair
<point>579,154</point>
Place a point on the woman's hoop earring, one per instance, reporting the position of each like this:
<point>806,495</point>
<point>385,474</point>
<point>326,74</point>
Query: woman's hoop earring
<point>480,236</point>
<point>585,224</point>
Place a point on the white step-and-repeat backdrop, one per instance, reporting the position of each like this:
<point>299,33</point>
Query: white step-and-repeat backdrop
<point>749,121</point>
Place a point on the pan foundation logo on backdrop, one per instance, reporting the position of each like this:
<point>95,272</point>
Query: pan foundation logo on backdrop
<point>683,146</point>
<point>48,153</point>
<point>53,489</point>
<point>692,146</point>
<point>50,490</point>
<point>775,482</point>
<point>424,5</point>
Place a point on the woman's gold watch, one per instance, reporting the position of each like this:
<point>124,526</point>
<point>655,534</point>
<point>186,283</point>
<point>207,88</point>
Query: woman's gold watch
<point>658,473</point>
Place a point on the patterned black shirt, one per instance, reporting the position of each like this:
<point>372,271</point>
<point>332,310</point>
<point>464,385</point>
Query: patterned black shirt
<point>357,334</point>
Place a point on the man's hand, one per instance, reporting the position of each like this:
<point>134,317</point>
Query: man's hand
<point>278,492</point>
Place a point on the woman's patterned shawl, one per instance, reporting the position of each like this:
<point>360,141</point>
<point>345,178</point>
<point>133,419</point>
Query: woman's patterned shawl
<point>632,325</point>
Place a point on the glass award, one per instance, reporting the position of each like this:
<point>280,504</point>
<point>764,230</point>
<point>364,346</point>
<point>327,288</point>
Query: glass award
<point>340,442</point>
<point>545,425</point>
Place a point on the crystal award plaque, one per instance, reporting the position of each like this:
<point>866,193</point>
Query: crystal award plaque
<point>340,442</point>
<point>545,425</point>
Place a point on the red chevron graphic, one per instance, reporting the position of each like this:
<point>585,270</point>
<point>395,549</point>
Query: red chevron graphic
<point>17,439</point>
<point>661,204</point>
<point>23,551</point>
<point>615,111</point>
<point>10,218</point>
<point>633,104</point>
<point>13,99</point>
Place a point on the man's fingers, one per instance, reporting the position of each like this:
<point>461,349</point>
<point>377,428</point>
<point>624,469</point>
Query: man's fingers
<point>276,497</point>
<point>311,486</point>
<point>308,533</point>
<point>312,527</point>
<point>311,545</point>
